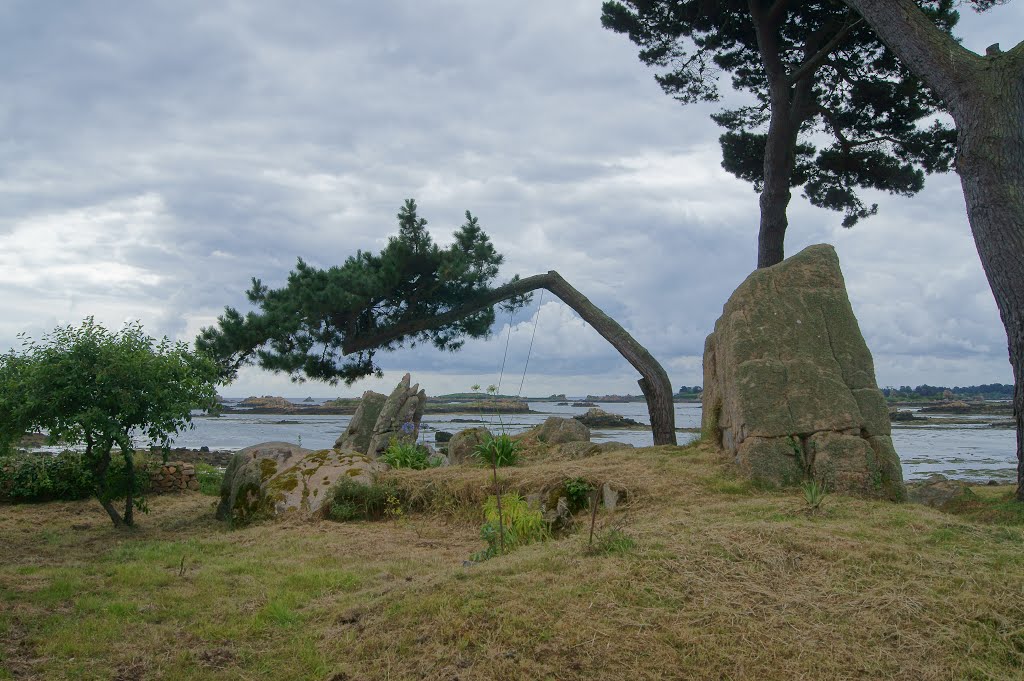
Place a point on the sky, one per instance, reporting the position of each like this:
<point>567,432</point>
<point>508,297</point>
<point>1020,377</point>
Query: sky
<point>155,156</point>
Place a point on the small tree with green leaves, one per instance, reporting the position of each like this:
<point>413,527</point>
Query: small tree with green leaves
<point>88,386</point>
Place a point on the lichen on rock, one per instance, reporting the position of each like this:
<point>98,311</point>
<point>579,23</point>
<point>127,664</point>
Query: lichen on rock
<point>273,478</point>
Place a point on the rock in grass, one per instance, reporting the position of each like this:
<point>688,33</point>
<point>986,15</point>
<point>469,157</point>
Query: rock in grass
<point>274,478</point>
<point>399,418</point>
<point>789,383</point>
<point>940,492</point>
<point>462,444</point>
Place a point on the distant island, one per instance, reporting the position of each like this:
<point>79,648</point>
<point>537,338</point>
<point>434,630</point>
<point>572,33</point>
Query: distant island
<point>935,393</point>
<point>444,404</point>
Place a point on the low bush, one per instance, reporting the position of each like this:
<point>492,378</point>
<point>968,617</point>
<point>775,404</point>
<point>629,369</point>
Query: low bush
<point>522,525</point>
<point>350,500</point>
<point>577,493</point>
<point>814,493</point>
<point>44,477</point>
<point>409,455</point>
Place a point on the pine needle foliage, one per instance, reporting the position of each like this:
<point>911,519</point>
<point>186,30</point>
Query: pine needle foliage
<point>302,328</point>
<point>849,115</point>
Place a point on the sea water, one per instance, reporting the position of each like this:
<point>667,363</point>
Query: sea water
<point>971,452</point>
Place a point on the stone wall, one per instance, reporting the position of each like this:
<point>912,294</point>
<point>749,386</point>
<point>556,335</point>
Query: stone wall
<point>173,476</point>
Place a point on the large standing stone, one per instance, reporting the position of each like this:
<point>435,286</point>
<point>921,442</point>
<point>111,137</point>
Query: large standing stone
<point>360,429</point>
<point>399,418</point>
<point>274,478</point>
<point>789,383</point>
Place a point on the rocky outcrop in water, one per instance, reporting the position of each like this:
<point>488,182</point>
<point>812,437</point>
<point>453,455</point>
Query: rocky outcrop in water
<point>267,402</point>
<point>599,418</point>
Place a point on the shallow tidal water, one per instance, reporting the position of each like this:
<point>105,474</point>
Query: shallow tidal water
<point>969,452</point>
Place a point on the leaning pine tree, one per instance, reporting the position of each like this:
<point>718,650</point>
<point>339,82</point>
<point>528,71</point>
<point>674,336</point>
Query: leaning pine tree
<point>833,109</point>
<point>328,324</point>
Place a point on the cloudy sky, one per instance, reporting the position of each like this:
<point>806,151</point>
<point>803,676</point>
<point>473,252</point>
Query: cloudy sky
<point>154,156</point>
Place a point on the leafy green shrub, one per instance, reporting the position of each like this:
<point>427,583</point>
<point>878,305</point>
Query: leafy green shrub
<point>210,478</point>
<point>350,500</point>
<point>577,493</point>
<point>409,455</point>
<point>44,477</point>
<point>497,451</point>
<point>522,524</point>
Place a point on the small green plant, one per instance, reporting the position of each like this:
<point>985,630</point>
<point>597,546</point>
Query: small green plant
<point>612,541</point>
<point>521,525</point>
<point>350,500</point>
<point>409,455</point>
<point>497,451</point>
<point>393,508</point>
<point>814,493</point>
<point>577,493</point>
<point>210,478</point>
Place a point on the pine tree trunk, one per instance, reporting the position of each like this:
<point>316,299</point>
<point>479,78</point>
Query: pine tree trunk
<point>985,96</point>
<point>775,195</point>
<point>990,161</point>
<point>654,382</point>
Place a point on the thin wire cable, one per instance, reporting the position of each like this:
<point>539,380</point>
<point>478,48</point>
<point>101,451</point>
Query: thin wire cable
<point>528,352</point>
<point>508,338</point>
<point>501,374</point>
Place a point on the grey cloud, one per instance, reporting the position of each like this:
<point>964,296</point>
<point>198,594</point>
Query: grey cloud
<point>267,131</point>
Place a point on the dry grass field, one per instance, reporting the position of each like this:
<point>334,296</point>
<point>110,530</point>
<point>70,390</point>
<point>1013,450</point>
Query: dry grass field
<point>698,576</point>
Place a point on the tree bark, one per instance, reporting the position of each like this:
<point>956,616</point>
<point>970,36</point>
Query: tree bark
<point>775,195</point>
<point>779,144</point>
<point>790,97</point>
<point>100,467</point>
<point>654,382</point>
<point>129,510</point>
<point>985,97</point>
<point>990,161</point>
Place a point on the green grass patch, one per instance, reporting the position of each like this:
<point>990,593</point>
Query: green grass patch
<point>210,478</point>
<point>699,576</point>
